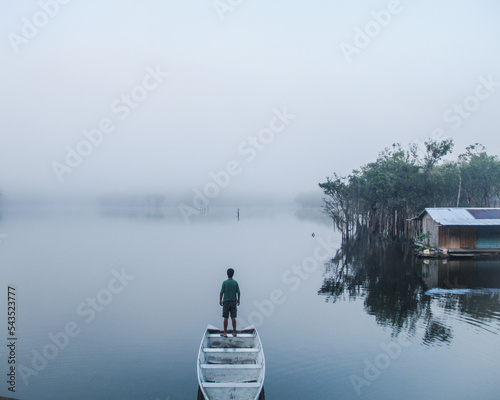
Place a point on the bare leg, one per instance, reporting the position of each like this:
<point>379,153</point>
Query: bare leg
<point>225,327</point>
<point>233,320</point>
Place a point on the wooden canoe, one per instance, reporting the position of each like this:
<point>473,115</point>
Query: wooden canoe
<point>232,367</point>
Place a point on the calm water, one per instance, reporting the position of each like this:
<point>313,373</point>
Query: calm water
<point>113,306</point>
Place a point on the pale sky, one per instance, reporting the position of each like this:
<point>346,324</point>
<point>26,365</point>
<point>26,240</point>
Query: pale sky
<point>183,89</point>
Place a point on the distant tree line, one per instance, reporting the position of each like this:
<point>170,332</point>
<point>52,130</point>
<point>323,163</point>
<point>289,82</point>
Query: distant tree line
<point>382,195</point>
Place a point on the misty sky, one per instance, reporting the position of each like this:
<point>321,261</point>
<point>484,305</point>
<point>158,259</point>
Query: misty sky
<point>183,89</point>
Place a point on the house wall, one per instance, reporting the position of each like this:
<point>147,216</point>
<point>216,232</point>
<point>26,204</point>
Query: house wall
<point>457,237</point>
<point>449,237</point>
<point>431,227</point>
<point>468,237</point>
<point>488,237</point>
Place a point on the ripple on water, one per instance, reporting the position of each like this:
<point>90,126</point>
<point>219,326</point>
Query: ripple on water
<point>478,308</point>
<point>456,292</point>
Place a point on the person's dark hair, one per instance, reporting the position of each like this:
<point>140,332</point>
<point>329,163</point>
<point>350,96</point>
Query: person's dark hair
<point>230,272</point>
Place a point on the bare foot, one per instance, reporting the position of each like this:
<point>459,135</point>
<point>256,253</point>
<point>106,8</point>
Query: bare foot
<point>234,334</point>
<point>223,334</point>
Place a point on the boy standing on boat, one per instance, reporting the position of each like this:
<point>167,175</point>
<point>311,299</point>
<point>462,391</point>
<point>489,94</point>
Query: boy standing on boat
<point>229,299</point>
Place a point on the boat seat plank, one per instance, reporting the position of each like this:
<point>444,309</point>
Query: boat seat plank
<point>240,335</point>
<point>231,385</point>
<point>231,366</point>
<point>230,350</point>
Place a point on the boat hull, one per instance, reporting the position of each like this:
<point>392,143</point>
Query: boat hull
<point>233,367</point>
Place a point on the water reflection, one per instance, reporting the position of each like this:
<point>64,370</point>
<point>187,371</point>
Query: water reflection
<point>395,288</point>
<point>150,206</point>
<point>461,274</point>
<point>465,289</point>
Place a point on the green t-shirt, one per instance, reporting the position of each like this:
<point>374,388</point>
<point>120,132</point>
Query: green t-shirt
<point>229,289</point>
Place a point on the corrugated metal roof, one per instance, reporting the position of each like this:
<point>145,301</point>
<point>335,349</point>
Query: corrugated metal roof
<point>454,216</point>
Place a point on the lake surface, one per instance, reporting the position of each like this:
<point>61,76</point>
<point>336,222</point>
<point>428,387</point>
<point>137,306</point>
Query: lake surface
<point>112,304</point>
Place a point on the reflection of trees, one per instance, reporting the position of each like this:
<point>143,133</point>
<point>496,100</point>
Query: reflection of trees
<point>436,332</point>
<point>387,277</point>
<point>479,310</point>
<point>479,307</point>
<point>371,268</point>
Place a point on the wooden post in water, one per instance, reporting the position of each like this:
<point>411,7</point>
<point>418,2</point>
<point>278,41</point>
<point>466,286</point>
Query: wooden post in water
<point>238,214</point>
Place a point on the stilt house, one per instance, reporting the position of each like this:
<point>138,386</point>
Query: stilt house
<point>461,229</point>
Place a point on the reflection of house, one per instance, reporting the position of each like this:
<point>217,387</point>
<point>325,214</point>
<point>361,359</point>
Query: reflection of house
<point>471,230</point>
<point>452,274</point>
<point>461,273</point>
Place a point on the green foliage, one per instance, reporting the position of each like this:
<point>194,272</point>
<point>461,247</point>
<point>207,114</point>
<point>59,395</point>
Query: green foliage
<point>480,176</point>
<point>340,202</point>
<point>383,194</point>
<point>424,238</point>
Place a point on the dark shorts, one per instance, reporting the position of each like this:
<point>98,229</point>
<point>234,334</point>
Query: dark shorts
<point>229,307</point>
